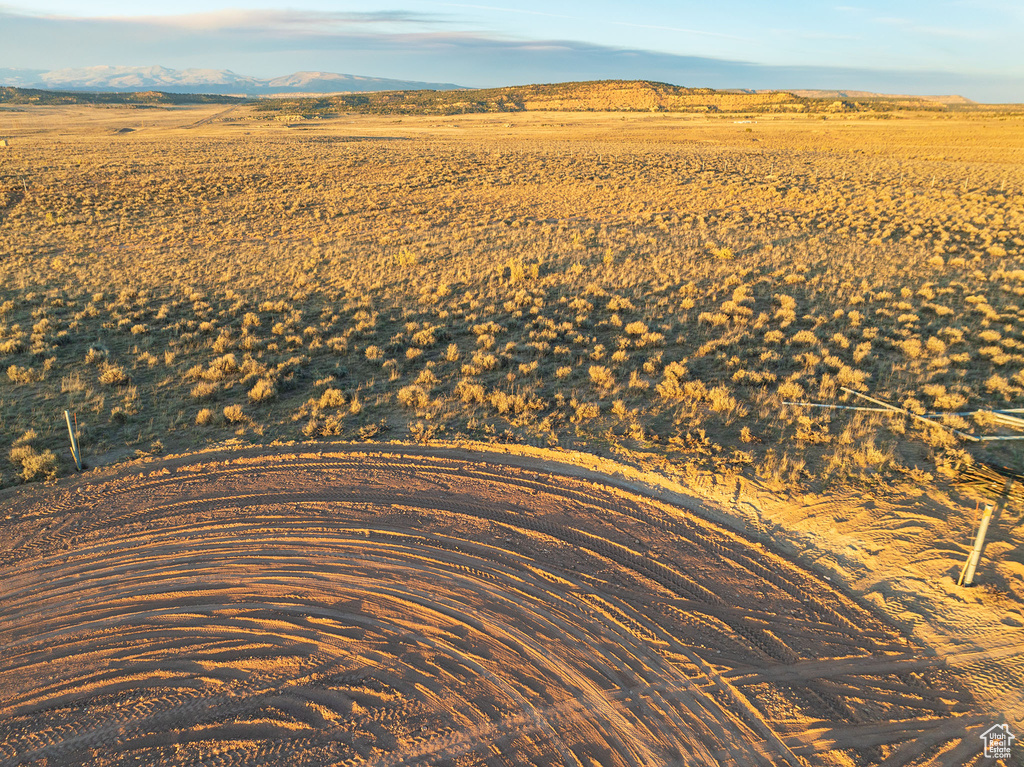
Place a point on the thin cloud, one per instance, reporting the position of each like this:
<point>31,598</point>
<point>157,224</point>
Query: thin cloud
<point>1012,9</point>
<point>270,20</point>
<point>680,29</point>
<point>290,20</point>
<point>545,14</point>
<point>801,35</point>
<point>520,11</point>
<point>955,33</point>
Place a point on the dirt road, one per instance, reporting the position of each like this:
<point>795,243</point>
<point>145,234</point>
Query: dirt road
<point>354,607</point>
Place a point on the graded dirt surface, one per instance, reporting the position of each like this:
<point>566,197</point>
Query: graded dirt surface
<point>417,606</point>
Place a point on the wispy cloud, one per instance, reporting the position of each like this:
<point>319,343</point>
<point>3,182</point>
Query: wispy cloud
<point>295,20</point>
<point>1011,8</point>
<point>500,9</point>
<point>593,19</point>
<point>926,30</point>
<point>801,34</point>
<point>684,30</point>
<point>285,21</point>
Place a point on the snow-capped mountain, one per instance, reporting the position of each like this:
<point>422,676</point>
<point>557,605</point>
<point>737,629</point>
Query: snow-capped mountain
<point>219,81</point>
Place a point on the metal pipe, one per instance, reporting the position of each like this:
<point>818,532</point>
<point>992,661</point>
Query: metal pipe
<point>839,407</point>
<point>74,442</point>
<point>967,574</point>
<point>962,435</point>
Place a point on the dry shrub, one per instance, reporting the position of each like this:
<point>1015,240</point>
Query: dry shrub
<point>24,375</point>
<point>601,377</point>
<point>427,379</point>
<point>470,392</point>
<point>996,384</point>
<point>671,386</point>
<point>715,319</point>
<point>204,389</point>
<point>911,348</point>
<point>221,368</point>
<point>790,390</point>
<point>331,398</point>
<point>720,400</point>
<point>585,411</point>
<point>484,361</point>
<point>852,379</point>
<point>413,396</point>
<point>637,382</point>
<point>426,337</point>
<point>223,342</point>
<point>503,402</point>
<point>620,304</point>
<point>234,413</point>
<point>33,464</point>
<point>204,417</point>
<point>650,339</point>
<point>263,390</point>
<point>113,375</point>
<point>11,346</point>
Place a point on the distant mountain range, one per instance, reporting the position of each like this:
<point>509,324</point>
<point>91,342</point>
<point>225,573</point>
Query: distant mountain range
<point>216,81</point>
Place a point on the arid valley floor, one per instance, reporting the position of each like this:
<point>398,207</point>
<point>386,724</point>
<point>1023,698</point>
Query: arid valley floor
<point>478,439</point>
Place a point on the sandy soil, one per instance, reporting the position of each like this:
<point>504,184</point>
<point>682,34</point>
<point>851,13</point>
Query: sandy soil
<point>419,606</point>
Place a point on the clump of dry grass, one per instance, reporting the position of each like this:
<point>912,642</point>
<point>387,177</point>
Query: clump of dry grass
<point>32,463</point>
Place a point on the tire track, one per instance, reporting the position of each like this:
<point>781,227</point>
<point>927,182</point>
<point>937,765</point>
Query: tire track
<point>394,609</point>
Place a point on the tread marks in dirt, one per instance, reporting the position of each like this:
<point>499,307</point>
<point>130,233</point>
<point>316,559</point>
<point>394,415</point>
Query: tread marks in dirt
<point>403,610</point>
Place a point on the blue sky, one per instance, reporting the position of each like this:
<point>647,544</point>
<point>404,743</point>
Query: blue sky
<point>971,47</point>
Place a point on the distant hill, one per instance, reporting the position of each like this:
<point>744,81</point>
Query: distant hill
<point>607,95</point>
<point>11,95</point>
<point>208,81</point>
<point>869,96</point>
<point>595,96</point>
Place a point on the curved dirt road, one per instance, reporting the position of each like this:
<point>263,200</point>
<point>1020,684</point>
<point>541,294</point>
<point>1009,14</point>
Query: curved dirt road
<point>358,607</point>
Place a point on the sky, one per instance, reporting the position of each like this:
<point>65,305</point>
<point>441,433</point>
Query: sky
<point>968,47</point>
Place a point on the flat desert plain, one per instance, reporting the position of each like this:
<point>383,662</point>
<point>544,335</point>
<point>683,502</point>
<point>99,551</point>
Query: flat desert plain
<point>483,439</point>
